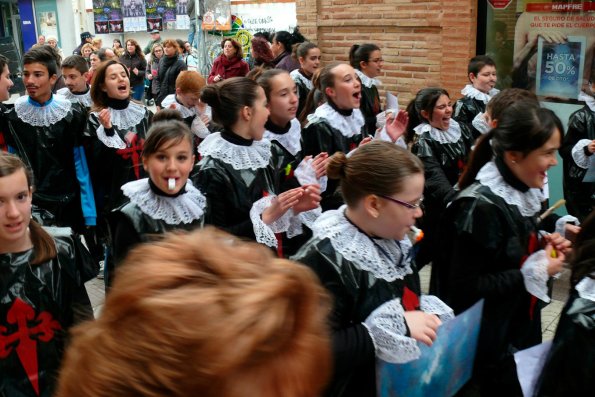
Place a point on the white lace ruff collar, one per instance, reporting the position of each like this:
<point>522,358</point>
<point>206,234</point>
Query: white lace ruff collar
<point>474,93</point>
<point>451,135</point>
<point>185,208</point>
<point>239,157</point>
<point>348,125</point>
<point>171,103</point>
<point>297,76</point>
<point>83,99</point>
<point>42,116</point>
<point>528,203</point>
<point>588,99</point>
<point>367,81</point>
<point>586,288</point>
<point>290,140</point>
<point>127,118</point>
<point>378,256</point>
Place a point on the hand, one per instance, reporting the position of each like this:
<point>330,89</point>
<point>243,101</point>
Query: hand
<point>217,78</point>
<point>205,119</point>
<point>559,243</point>
<point>135,70</point>
<point>591,147</point>
<point>397,126</point>
<point>105,119</point>
<point>309,200</point>
<point>280,204</point>
<point>366,140</point>
<point>555,260</point>
<point>571,231</point>
<point>548,35</point>
<point>319,164</point>
<point>422,326</point>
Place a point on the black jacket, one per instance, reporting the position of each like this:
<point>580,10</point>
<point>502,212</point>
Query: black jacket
<point>135,61</point>
<point>465,111</point>
<point>580,197</point>
<point>169,69</point>
<point>370,107</point>
<point>47,299</point>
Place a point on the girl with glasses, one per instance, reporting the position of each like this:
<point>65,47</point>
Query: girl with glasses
<point>362,255</point>
<point>367,61</point>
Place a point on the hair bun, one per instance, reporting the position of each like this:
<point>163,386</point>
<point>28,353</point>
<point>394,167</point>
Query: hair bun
<point>336,168</point>
<point>210,95</point>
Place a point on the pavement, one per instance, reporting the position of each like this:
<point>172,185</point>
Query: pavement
<point>550,315</point>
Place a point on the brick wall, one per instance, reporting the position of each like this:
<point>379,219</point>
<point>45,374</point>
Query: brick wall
<point>424,43</point>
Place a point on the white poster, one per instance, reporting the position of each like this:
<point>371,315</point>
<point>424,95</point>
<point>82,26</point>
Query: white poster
<point>270,17</point>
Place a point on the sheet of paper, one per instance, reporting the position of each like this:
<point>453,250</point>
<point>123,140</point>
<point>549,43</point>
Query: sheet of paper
<point>392,101</point>
<point>590,175</point>
<point>529,363</point>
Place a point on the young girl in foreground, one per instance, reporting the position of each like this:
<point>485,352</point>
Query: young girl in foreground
<point>166,200</point>
<point>362,255</point>
<point>42,292</point>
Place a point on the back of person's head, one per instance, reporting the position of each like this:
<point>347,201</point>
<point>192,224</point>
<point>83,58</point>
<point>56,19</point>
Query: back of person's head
<point>228,97</point>
<point>265,35</point>
<point>203,314</point>
<point>505,98</point>
<point>361,53</point>
<point>288,40</point>
<point>168,130</point>
<point>44,248</point>
<point>266,78</point>
<point>380,168</point>
<point>262,51</point>
<point>45,55</point>
<point>479,62</point>
<point>582,258</point>
<point>523,127</point>
<point>180,45</point>
<point>425,100</point>
<point>190,81</point>
<point>76,62</point>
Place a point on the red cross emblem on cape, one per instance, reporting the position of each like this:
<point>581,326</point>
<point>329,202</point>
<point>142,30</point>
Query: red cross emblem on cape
<point>31,329</point>
<point>133,151</point>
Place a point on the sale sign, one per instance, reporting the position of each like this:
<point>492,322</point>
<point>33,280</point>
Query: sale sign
<point>560,67</point>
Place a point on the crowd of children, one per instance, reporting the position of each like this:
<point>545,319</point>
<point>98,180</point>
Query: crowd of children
<point>303,160</point>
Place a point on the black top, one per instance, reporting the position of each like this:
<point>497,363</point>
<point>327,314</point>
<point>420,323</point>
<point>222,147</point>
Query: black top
<point>370,107</point>
<point>466,109</point>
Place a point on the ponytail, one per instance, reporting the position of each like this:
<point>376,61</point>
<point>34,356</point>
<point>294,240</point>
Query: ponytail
<point>44,247</point>
<point>480,156</point>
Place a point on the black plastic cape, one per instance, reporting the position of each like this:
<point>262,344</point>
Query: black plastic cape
<point>317,137</point>
<point>38,304</point>
<point>482,244</point>
<point>465,111</point>
<point>580,196</point>
<point>303,92</point>
<point>356,294</point>
<point>569,367</point>
<point>370,107</point>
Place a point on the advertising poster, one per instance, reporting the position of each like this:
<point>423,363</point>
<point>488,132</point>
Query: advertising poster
<point>522,34</point>
<point>161,14</point>
<point>182,19</point>
<point>217,15</point>
<point>443,368</point>
<point>107,15</point>
<point>270,17</point>
<point>134,15</point>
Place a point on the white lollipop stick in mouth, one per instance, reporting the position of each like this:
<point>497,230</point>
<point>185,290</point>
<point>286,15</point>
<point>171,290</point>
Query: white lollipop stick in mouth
<point>171,183</point>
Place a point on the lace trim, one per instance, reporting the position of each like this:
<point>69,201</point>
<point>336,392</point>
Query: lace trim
<point>535,275</point>
<point>305,175</point>
<point>304,218</point>
<point>348,125</point>
<point>451,135</point>
<point>367,81</point>
<point>474,93</point>
<point>387,328</point>
<point>126,118</point>
<point>562,221</point>
<point>239,157</point>
<point>480,123</point>
<point>588,99</point>
<point>586,289</point>
<point>578,153</point>
<point>380,257</point>
<point>42,116</point>
<point>290,140</point>
<point>433,305</point>
<point>171,100</point>
<point>114,141</point>
<point>185,208</point>
<point>199,128</point>
<point>84,99</point>
<point>297,76</point>
<point>265,234</point>
<point>528,203</point>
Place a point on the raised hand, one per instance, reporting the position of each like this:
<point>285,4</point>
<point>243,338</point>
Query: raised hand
<point>397,126</point>
<point>309,200</point>
<point>280,204</point>
<point>105,118</point>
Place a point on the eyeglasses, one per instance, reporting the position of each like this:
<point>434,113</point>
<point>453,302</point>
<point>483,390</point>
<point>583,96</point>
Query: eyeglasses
<point>405,204</point>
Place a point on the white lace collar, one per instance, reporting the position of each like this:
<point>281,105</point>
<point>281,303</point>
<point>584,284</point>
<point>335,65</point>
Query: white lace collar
<point>588,99</point>
<point>171,102</point>
<point>83,99</point>
<point>239,157</point>
<point>42,116</point>
<point>528,203</point>
<point>367,81</point>
<point>297,76</point>
<point>474,93</point>
<point>185,208</point>
<point>380,257</point>
<point>290,140</point>
<point>586,288</point>
<point>348,126</point>
<point>127,118</point>
<point>451,135</point>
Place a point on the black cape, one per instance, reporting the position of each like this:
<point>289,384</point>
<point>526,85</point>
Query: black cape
<point>465,111</point>
<point>370,107</point>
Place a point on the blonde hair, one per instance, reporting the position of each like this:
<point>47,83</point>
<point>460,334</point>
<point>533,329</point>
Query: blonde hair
<point>204,314</point>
